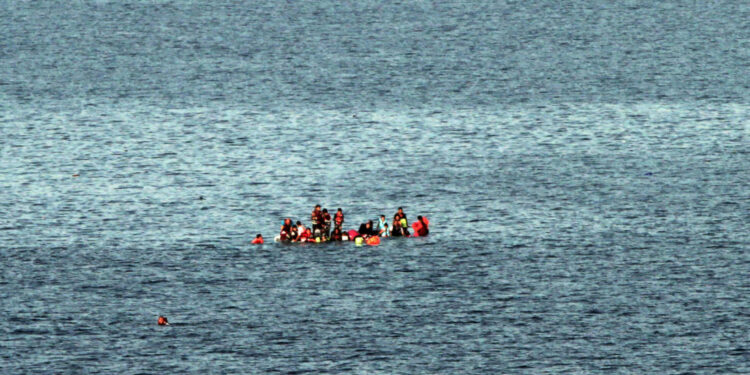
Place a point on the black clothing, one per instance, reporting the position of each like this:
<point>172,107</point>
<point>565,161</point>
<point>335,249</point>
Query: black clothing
<point>364,231</point>
<point>396,231</point>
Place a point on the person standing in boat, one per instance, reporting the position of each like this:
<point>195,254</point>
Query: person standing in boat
<point>316,217</point>
<point>338,219</point>
<point>326,223</point>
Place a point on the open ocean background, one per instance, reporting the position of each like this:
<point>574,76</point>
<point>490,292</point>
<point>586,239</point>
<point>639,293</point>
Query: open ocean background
<point>584,165</point>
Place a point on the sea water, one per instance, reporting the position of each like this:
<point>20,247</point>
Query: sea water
<point>583,164</point>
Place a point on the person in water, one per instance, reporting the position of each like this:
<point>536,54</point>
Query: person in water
<point>336,235</point>
<point>382,228</point>
<point>423,228</point>
<point>293,235</point>
<point>258,240</point>
<point>326,232</point>
<point>338,219</point>
<point>162,321</point>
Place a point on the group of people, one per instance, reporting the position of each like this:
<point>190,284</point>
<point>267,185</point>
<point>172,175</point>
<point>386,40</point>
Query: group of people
<point>320,230</point>
<point>398,228</point>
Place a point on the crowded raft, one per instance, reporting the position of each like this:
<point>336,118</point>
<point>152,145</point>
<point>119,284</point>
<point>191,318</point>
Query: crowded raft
<point>326,228</point>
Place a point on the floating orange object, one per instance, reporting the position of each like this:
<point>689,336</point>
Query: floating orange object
<point>373,241</point>
<point>163,321</point>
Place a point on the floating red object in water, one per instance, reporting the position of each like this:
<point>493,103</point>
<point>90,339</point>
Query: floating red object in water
<point>163,321</point>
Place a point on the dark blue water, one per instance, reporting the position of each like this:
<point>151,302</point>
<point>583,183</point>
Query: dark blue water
<point>584,166</point>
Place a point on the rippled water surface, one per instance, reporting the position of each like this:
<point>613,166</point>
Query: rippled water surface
<point>584,166</point>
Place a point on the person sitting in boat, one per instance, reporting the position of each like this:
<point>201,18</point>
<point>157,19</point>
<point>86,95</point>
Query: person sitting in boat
<point>338,219</point>
<point>286,230</point>
<point>293,235</point>
<point>326,227</point>
<point>362,230</point>
<point>401,216</point>
<point>300,227</point>
<point>367,230</point>
<point>258,240</point>
<point>317,236</point>
<point>336,235</point>
<point>396,227</point>
<point>306,236</point>
<point>382,228</point>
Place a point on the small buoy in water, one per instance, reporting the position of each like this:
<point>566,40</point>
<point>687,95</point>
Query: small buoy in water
<point>163,321</point>
<point>358,241</point>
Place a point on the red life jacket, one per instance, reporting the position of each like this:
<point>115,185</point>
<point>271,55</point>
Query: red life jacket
<point>425,230</point>
<point>258,240</point>
<point>421,227</point>
<point>339,218</point>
